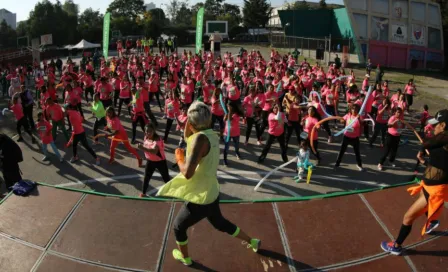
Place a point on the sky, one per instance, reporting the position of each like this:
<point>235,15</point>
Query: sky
<point>23,9</point>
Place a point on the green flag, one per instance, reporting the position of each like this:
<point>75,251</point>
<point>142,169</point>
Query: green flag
<point>199,22</point>
<point>106,25</point>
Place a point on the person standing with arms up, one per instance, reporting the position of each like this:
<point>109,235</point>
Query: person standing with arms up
<point>197,183</point>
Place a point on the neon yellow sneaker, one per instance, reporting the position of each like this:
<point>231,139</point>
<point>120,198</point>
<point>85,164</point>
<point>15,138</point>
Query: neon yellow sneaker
<point>255,244</point>
<point>180,257</point>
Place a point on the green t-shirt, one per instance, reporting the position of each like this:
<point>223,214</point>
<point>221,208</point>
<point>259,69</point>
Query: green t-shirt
<point>151,42</point>
<point>98,110</point>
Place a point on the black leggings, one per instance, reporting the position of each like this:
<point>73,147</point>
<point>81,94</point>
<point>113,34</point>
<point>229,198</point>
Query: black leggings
<point>11,174</point>
<point>116,96</point>
<point>250,121</point>
<point>97,124</point>
<point>379,128</point>
<point>23,122</point>
<point>264,117</point>
<point>169,123</point>
<point>267,147</point>
<point>148,111</point>
<point>88,90</point>
<point>190,214</point>
<point>81,137</point>
<point>353,142</point>
<point>106,103</point>
<point>157,94</point>
<point>295,126</point>
<point>151,166</point>
<point>220,120</point>
<point>140,120</point>
<point>126,102</point>
<point>28,112</point>
<point>392,143</point>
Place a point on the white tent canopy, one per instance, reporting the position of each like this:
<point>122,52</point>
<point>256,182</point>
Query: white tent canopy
<point>83,44</point>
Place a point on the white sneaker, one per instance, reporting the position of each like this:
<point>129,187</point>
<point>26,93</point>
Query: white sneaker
<point>45,158</point>
<point>360,168</point>
<point>380,167</point>
<point>392,164</point>
<point>259,143</point>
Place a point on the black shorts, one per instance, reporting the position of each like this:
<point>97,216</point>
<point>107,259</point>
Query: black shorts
<point>409,99</point>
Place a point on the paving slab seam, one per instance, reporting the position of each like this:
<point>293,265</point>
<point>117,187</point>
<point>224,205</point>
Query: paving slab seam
<point>285,241</point>
<point>62,256</point>
<point>20,241</point>
<point>56,233</point>
<point>384,227</point>
<point>371,258</point>
<point>159,266</point>
<point>84,261</point>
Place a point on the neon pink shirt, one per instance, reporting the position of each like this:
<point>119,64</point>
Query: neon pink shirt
<point>125,89</point>
<point>115,125</point>
<point>172,108</point>
<point>44,128</point>
<point>55,112</point>
<point>276,127</point>
<point>105,89</point>
<point>76,120</point>
<point>397,128</point>
<point>183,119</point>
<point>216,107</point>
<point>247,104</point>
<point>186,93</point>
<point>268,104</point>
<point>409,89</point>
<point>152,144</point>
<point>355,130</point>
<point>309,123</point>
<point>234,126</point>
<point>207,92</point>
<point>144,91</point>
<point>233,92</point>
<point>17,110</point>
<point>382,118</point>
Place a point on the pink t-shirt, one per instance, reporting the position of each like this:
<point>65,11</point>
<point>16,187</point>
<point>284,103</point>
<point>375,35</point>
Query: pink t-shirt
<point>125,89</point>
<point>172,108</point>
<point>424,117</point>
<point>115,124</point>
<point>409,89</point>
<point>233,92</point>
<point>105,90</point>
<point>396,129</point>
<point>44,128</point>
<point>76,121</point>
<point>355,130</point>
<point>247,104</point>
<point>183,119</point>
<point>186,93</point>
<point>207,92</point>
<point>55,112</point>
<point>234,126</point>
<point>216,107</point>
<point>150,144</point>
<point>17,110</point>
<point>268,96</point>
<point>429,131</point>
<point>382,118</point>
<point>309,123</point>
<point>276,127</point>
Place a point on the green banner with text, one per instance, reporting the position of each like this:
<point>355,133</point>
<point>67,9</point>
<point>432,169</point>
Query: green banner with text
<point>106,31</point>
<point>199,23</point>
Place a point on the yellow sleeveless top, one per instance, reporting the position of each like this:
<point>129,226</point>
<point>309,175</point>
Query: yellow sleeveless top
<point>203,187</point>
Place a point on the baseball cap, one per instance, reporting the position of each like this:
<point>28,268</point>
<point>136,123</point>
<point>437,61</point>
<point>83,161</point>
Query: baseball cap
<point>441,116</point>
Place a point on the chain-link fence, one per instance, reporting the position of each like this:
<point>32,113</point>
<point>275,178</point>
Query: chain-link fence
<point>323,49</point>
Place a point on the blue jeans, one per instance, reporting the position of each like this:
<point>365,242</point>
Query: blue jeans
<point>236,143</point>
<point>53,146</point>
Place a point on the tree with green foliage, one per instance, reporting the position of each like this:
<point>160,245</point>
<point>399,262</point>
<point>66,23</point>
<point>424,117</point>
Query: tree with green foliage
<point>127,8</point>
<point>8,37</point>
<point>256,13</point>
<point>322,4</point>
<point>214,7</point>
<point>300,5</point>
<point>90,25</point>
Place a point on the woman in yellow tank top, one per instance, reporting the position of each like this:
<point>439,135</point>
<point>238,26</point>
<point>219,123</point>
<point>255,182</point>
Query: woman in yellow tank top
<point>197,183</point>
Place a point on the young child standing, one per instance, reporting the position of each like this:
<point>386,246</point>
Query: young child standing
<point>181,121</point>
<point>303,157</point>
<point>46,136</point>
